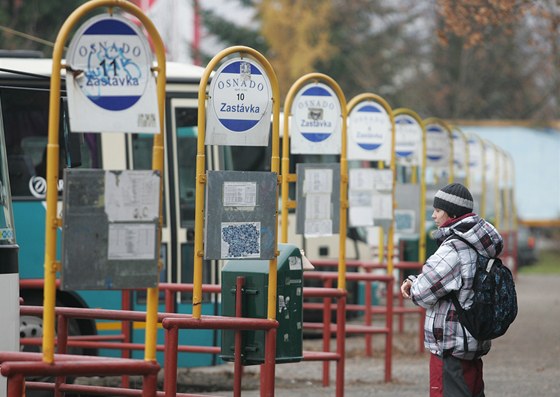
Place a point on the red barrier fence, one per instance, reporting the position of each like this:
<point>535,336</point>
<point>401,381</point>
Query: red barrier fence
<point>370,309</point>
<point>173,322</point>
<point>15,366</point>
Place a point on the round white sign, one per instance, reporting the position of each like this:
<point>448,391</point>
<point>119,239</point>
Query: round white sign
<point>437,144</point>
<point>316,120</point>
<point>369,129</point>
<point>115,60</point>
<point>240,95</point>
<point>408,137</point>
<point>316,112</point>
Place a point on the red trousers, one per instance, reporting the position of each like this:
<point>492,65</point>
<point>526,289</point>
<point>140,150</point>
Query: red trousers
<point>452,377</point>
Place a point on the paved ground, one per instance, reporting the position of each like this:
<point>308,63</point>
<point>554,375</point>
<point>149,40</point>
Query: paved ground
<point>525,362</point>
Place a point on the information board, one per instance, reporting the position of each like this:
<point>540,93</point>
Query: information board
<point>110,229</point>
<point>407,213</point>
<point>318,199</point>
<point>240,219</point>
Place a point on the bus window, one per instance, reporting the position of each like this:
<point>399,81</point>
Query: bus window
<point>25,114</point>
<point>186,134</point>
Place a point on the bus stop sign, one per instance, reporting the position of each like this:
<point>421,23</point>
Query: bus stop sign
<point>110,84</point>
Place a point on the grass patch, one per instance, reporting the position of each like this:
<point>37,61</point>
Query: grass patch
<point>548,263</point>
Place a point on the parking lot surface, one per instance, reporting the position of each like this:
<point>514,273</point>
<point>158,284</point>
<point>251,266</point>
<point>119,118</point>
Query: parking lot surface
<point>523,363</point>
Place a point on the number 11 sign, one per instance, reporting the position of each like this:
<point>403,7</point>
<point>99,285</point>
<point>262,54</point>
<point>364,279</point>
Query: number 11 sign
<point>110,84</point>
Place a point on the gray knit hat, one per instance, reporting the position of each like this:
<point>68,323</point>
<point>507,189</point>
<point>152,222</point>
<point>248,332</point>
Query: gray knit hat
<point>455,199</point>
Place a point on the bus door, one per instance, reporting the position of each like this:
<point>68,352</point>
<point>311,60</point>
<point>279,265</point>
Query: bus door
<point>178,206</point>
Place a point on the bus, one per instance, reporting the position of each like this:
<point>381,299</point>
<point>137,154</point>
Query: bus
<point>24,110</point>
<point>24,107</point>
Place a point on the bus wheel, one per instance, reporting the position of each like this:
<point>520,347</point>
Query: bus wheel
<point>32,327</point>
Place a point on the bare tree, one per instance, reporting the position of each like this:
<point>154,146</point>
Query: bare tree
<point>298,35</point>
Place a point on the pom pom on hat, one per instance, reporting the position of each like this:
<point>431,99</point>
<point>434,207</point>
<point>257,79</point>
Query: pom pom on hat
<point>455,199</point>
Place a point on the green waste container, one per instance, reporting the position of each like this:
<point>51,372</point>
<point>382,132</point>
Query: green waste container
<point>289,306</point>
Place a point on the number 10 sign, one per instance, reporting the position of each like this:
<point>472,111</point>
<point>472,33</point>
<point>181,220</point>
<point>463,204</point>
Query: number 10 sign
<point>239,105</point>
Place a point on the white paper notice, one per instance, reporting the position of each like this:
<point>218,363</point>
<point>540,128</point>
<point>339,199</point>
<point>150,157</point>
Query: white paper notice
<point>318,206</point>
<point>361,179</point>
<point>318,228</point>
<point>131,241</point>
<point>131,195</point>
<point>294,263</point>
<point>382,206</point>
<point>240,194</point>
<point>383,180</point>
<point>360,197</point>
<point>360,216</point>
<point>318,181</point>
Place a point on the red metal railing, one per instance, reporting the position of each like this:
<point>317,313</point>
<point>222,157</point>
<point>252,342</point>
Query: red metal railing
<point>174,322</point>
<point>15,366</point>
<point>171,321</point>
<point>370,309</point>
<point>328,278</point>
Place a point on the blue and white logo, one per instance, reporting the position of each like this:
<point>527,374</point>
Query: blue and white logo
<point>109,79</point>
<point>240,95</point>
<point>239,105</point>
<point>111,53</point>
<point>314,107</point>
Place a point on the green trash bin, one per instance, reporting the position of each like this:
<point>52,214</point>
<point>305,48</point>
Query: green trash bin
<point>289,306</point>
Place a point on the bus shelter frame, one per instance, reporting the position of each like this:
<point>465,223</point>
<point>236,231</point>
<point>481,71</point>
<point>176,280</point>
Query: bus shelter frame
<point>53,221</point>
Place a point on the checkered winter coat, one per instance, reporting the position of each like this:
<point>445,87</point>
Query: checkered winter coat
<point>452,268</point>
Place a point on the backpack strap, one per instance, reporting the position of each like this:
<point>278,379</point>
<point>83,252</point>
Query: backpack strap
<point>453,295</point>
<point>464,240</point>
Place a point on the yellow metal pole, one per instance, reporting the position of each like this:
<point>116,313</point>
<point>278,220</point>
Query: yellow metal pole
<point>285,184</point>
<point>376,98</point>
<point>422,238</point>
<point>52,222</point>
<point>505,192</point>
<point>496,174</point>
<point>512,193</point>
<point>463,137</point>
<point>201,173</point>
<point>52,171</point>
<point>157,164</point>
<point>285,176</point>
<point>298,84</point>
<point>474,137</point>
<point>449,131</point>
<point>497,190</point>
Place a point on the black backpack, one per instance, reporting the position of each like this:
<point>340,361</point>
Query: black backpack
<point>495,301</point>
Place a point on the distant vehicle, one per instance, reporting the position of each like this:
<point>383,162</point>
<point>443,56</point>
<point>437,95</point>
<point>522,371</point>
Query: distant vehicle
<point>527,250</point>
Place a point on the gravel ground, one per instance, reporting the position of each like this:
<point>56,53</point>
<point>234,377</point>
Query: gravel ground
<point>525,362</point>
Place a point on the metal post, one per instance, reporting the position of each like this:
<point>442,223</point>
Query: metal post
<point>170,364</point>
<point>238,367</point>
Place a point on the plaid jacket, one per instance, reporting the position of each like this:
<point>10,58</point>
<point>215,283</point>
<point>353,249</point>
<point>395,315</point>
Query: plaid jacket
<point>452,268</point>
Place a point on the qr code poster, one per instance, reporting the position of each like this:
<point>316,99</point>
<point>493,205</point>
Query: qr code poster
<point>240,240</point>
